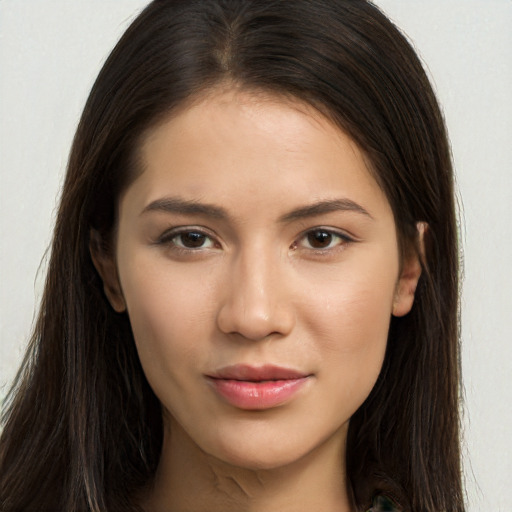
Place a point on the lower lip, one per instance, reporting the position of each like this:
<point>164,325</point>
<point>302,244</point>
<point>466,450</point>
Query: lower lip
<point>257,395</point>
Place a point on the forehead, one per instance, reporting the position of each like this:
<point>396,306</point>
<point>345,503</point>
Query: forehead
<point>232,142</point>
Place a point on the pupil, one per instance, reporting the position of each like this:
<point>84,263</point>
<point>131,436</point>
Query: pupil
<point>192,239</point>
<point>319,239</point>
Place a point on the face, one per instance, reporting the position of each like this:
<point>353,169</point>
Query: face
<point>258,262</point>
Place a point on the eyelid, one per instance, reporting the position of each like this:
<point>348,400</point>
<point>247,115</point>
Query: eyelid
<point>168,235</point>
<point>341,234</point>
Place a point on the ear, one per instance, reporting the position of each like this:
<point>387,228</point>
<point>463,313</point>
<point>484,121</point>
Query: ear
<point>410,275</point>
<point>105,264</point>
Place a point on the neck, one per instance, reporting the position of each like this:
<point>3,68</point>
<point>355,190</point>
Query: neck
<point>190,480</point>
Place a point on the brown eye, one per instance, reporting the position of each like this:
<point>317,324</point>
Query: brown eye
<point>319,239</point>
<point>192,240</point>
<point>322,239</point>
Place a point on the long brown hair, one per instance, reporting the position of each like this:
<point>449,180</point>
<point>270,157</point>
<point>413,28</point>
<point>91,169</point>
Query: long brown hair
<point>83,429</point>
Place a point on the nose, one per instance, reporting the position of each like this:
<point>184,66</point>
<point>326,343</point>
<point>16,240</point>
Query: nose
<point>256,303</point>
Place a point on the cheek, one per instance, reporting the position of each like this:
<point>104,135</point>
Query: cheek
<point>352,306</point>
<point>350,319</point>
<point>169,316</point>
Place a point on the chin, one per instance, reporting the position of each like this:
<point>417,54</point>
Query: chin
<point>266,451</point>
<point>259,460</point>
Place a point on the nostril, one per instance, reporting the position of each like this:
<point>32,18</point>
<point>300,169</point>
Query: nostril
<point>254,324</point>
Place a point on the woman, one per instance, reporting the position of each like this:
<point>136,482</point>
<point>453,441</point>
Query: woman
<point>251,302</point>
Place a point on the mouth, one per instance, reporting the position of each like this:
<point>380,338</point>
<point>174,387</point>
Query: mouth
<point>257,388</point>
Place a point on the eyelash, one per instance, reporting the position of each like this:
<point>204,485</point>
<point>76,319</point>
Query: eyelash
<point>342,239</point>
<point>169,238</point>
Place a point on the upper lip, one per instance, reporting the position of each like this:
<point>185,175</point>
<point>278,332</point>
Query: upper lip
<point>245,372</point>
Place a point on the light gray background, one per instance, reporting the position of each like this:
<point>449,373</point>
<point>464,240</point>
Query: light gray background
<point>50,53</point>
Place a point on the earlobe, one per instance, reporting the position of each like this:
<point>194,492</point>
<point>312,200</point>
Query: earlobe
<point>105,264</point>
<point>411,272</point>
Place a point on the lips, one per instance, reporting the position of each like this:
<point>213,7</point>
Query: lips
<point>256,388</point>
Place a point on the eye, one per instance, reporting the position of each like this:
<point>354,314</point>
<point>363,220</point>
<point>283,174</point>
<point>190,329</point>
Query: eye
<point>189,239</point>
<point>192,240</point>
<point>322,239</point>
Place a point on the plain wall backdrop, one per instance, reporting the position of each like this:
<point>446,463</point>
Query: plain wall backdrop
<point>50,54</point>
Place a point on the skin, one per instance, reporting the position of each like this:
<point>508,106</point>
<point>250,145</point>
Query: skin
<point>258,288</point>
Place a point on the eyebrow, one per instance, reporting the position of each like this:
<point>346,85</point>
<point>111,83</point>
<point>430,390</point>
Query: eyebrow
<point>182,206</point>
<point>323,207</point>
<point>187,207</point>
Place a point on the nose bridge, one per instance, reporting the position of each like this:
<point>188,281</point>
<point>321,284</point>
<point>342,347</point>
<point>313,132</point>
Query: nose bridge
<point>255,304</point>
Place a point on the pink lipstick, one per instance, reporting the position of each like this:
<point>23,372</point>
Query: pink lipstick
<point>256,388</point>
